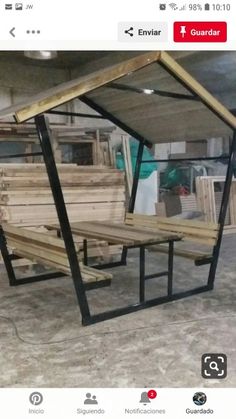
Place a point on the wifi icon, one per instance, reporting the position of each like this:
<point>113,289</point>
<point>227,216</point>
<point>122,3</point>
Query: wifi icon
<point>173,6</point>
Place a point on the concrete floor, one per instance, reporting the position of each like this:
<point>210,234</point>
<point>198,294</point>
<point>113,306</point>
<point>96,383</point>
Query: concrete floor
<point>158,347</point>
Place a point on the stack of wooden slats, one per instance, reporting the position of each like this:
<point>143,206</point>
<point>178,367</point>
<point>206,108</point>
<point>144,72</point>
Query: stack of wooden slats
<point>48,251</point>
<point>209,200</point>
<point>90,193</point>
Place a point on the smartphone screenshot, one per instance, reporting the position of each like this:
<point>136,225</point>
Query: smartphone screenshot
<point>117,209</point>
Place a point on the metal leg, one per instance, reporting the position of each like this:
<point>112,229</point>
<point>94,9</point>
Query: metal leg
<point>134,191</point>
<point>223,211</point>
<point>13,281</point>
<point>170,268</point>
<point>142,275</point>
<point>45,142</point>
<point>85,247</point>
<point>7,259</point>
<point>107,315</point>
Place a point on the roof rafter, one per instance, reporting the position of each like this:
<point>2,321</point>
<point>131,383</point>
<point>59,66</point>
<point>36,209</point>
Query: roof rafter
<point>70,90</point>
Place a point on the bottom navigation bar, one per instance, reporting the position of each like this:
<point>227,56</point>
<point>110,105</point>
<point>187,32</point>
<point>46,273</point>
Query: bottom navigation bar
<point>117,403</point>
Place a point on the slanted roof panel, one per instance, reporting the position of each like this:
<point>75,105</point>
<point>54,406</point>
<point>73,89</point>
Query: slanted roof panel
<point>158,118</point>
<point>65,92</point>
<point>155,117</point>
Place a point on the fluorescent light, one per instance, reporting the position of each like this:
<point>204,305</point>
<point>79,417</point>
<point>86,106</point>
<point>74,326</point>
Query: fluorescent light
<point>148,91</point>
<point>41,55</point>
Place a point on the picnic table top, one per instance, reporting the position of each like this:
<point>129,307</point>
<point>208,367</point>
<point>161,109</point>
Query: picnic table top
<point>119,233</point>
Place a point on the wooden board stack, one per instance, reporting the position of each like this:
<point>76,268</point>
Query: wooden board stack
<point>90,192</point>
<point>48,251</point>
<point>209,200</point>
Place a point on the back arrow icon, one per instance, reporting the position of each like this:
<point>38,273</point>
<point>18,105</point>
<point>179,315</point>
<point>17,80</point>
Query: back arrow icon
<point>12,32</point>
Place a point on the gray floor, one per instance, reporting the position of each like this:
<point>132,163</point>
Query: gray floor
<point>157,347</point>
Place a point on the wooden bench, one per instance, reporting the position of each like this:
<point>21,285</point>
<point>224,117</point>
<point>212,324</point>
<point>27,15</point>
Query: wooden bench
<point>48,251</point>
<point>193,231</point>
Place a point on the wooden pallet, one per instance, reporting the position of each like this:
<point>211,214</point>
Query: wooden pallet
<point>209,201</point>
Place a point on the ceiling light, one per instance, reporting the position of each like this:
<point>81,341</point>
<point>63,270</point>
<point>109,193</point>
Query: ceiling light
<point>148,91</point>
<point>41,55</point>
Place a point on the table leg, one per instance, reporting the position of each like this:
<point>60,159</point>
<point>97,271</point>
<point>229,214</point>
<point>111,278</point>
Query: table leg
<point>142,274</point>
<point>170,268</point>
<point>85,247</point>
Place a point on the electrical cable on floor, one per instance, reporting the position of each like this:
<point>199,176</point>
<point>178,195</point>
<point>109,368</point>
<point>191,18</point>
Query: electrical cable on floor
<point>21,339</point>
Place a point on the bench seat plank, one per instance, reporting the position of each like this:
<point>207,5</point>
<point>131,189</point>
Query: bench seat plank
<point>48,251</point>
<point>192,230</point>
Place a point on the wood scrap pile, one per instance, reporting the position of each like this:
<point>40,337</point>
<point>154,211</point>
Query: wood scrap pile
<point>90,193</point>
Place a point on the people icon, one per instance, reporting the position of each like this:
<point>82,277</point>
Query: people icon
<point>90,400</point>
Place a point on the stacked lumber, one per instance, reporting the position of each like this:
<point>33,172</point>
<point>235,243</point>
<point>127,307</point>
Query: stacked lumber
<point>128,162</point>
<point>209,200</point>
<point>90,193</point>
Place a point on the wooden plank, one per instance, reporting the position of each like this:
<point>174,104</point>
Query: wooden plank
<point>8,182</point>
<point>86,274</point>
<point>128,180</point>
<point>193,230</point>
<point>188,254</point>
<point>98,232</point>
<point>44,239</point>
<point>47,213</point>
<point>76,196</point>
<point>138,235</point>
<point>46,253</point>
<point>41,261</point>
<point>119,233</point>
<point>127,161</point>
<point>67,91</point>
<point>187,232</point>
<point>153,219</point>
<point>232,204</point>
<point>189,81</point>
<point>19,169</point>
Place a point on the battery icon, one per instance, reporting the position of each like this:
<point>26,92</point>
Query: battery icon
<point>207,6</point>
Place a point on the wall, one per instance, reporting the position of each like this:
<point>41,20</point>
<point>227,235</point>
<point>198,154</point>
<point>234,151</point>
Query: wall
<point>19,81</point>
<point>22,78</point>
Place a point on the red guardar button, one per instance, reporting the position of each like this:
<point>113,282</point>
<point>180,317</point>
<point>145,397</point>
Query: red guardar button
<point>200,32</point>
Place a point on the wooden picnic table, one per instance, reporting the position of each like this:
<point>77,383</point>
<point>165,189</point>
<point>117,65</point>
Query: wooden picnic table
<point>129,237</point>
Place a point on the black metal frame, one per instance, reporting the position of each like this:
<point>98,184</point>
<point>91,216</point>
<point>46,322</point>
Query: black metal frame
<point>16,156</point>
<point>157,92</point>
<point>77,114</point>
<point>186,159</point>
<point>65,229</point>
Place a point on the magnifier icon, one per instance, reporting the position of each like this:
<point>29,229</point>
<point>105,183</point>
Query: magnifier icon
<point>213,366</point>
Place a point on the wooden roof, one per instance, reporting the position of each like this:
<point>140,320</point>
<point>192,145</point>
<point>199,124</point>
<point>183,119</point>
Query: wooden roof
<point>149,115</point>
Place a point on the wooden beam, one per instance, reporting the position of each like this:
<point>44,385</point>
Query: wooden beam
<point>195,86</point>
<point>65,92</point>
